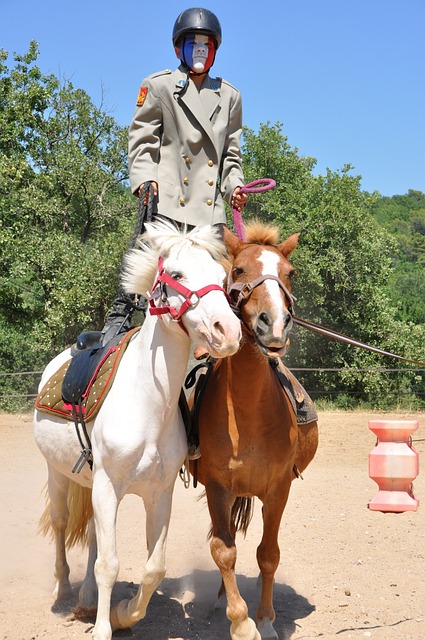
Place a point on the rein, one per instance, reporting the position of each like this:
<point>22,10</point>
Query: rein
<point>145,211</point>
<point>192,298</point>
<point>257,186</point>
<point>330,333</point>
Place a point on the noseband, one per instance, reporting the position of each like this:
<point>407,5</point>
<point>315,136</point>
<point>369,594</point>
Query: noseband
<point>159,292</point>
<point>245,289</point>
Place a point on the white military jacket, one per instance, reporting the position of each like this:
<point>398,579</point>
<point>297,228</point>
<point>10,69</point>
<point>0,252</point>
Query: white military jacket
<point>189,143</point>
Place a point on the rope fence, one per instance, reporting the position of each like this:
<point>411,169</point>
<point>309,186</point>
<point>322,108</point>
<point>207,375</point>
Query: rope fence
<point>417,386</point>
<point>298,371</point>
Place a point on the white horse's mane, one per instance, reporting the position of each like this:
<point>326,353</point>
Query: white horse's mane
<point>160,238</point>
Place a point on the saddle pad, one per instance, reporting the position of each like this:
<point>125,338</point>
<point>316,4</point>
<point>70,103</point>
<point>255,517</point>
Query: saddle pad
<point>302,404</point>
<point>50,400</point>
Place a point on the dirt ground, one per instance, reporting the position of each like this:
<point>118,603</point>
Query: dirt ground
<point>345,571</point>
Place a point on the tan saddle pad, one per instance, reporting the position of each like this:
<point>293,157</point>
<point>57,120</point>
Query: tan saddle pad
<point>49,400</point>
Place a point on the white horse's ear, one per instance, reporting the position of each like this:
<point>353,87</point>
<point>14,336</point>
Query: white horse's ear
<point>232,242</point>
<point>289,245</point>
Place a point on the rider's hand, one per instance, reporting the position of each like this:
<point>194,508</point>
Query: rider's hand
<point>239,200</point>
<point>155,191</point>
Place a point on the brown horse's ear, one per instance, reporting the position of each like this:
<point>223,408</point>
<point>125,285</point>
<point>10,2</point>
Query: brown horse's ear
<point>289,245</point>
<point>232,242</point>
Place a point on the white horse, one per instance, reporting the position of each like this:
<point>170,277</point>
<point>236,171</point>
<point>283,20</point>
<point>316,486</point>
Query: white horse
<point>138,437</point>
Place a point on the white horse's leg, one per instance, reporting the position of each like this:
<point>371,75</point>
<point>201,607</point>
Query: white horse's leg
<point>106,566</point>
<point>158,513</point>
<point>58,490</point>
<point>87,598</point>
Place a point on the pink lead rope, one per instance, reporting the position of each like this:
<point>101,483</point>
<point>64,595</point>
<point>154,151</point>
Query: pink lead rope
<point>257,186</point>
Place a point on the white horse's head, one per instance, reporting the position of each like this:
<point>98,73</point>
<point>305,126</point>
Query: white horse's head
<point>173,262</point>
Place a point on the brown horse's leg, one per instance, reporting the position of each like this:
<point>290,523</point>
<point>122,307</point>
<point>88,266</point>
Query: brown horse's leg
<point>308,440</point>
<point>268,556</point>
<point>222,590</point>
<point>223,551</point>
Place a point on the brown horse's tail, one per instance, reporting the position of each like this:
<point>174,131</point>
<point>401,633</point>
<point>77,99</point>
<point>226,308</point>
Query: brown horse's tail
<point>241,515</point>
<point>242,512</point>
<point>80,513</point>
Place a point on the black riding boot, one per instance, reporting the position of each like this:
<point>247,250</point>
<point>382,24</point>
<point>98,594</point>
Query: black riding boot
<point>117,321</point>
<point>119,318</point>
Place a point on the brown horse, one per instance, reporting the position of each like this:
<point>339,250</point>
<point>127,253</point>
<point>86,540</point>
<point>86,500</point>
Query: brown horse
<point>249,437</point>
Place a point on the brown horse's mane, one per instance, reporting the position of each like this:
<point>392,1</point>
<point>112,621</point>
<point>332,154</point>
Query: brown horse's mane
<point>257,232</point>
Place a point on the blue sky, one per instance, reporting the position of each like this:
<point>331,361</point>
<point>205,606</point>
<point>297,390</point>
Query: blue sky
<point>345,77</point>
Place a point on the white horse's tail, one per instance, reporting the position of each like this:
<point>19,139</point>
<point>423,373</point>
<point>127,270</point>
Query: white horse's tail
<point>80,513</point>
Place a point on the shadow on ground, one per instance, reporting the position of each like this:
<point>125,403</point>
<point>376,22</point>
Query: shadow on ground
<point>184,608</point>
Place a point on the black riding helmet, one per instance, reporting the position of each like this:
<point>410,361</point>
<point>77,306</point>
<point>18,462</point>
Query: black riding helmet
<point>198,20</point>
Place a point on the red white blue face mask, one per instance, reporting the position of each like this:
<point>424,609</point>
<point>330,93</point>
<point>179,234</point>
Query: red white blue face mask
<point>198,52</point>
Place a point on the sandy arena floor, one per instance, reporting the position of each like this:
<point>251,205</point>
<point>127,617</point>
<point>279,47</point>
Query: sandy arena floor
<point>345,572</point>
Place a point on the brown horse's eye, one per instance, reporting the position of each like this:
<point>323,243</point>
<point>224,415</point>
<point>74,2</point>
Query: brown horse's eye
<point>238,271</point>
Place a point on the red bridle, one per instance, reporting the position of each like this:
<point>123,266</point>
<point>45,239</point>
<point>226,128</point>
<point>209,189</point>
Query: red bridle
<point>191,297</point>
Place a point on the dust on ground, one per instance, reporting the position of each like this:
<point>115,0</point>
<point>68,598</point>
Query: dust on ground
<point>346,572</point>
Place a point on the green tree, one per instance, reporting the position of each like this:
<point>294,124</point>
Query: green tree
<point>66,216</point>
<point>66,212</point>
<point>404,218</point>
<point>344,263</point>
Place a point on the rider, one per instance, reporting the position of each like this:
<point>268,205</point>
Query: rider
<point>184,140</point>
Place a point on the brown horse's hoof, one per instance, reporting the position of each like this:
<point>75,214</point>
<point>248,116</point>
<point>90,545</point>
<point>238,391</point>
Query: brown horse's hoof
<point>85,613</point>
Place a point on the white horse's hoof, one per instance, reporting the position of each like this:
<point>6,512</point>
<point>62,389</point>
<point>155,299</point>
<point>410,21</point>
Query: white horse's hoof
<point>102,631</point>
<point>245,630</point>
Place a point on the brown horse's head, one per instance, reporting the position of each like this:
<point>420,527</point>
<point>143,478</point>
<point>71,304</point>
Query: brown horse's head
<point>259,282</point>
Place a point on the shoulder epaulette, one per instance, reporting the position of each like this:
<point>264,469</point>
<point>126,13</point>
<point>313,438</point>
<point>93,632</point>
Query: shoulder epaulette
<point>228,83</point>
<point>160,73</point>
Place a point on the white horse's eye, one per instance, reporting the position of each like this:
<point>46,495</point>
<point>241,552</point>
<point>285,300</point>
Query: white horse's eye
<point>177,275</point>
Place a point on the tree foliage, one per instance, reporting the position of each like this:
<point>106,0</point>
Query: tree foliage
<point>404,218</point>
<point>67,214</point>
<point>344,263</point>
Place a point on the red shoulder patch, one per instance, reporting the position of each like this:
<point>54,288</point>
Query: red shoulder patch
<point>143,92</point>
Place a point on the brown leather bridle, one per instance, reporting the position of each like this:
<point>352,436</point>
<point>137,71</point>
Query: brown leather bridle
<point>245,289</point>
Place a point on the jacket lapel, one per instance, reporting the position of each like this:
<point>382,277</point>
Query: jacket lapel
<point>202,111</point>
<point>210,96</point>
